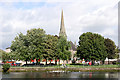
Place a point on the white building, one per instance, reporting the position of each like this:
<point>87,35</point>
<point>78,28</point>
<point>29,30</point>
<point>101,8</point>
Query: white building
<point>8,50</point>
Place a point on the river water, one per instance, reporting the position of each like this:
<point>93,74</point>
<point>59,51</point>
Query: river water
<point>93,75</point>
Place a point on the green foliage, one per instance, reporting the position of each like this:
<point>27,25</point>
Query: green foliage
<point>6,67</point>
<point>49,47</point>
<point>35,38</point>
<point>63,47</point>
<point>116,50</point>
<point>20,48</point>
<point>110,48</point>
<point>37,45</point>
<point>116,53</point>
<point>91,47</point>
<point>4,56</point>
<point>28,46</point>
<point>1,54</point>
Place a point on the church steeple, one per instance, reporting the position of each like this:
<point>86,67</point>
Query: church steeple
<point>62,27</point>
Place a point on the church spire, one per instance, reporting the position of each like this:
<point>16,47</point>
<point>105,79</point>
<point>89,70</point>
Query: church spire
<point>62,27</point>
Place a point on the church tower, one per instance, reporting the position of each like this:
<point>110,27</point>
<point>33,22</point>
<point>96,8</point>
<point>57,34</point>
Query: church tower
<point>62,27</point>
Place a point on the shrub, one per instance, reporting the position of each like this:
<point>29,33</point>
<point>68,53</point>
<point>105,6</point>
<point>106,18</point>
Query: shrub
<point>118,62</point>
<point>6,67</point>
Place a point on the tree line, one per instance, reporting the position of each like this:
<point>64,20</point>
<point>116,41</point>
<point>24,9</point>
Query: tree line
<point>36,44</point>
<point>93,46</point>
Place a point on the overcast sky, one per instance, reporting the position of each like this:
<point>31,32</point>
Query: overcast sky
<point>80,16</point>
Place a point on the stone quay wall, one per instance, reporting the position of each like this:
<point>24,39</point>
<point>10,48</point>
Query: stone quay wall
<point>64,69</point>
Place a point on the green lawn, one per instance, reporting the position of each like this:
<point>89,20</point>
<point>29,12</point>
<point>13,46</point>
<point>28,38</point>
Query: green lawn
<point>98,66</point>
<point>77,66</point>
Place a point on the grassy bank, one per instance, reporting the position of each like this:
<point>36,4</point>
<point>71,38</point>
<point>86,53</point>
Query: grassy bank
<point>75,66</point>
<point>93,66</point>
<point>70,68</point>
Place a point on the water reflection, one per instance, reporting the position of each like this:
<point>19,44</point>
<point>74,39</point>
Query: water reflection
<point>0,75</point>
<point>112,75</point>
<point>62,75</point>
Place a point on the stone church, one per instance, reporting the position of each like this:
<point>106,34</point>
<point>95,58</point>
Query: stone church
<point>62,32</point>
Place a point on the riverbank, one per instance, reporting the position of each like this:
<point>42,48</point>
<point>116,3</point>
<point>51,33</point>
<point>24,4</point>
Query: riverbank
<point>70,69</point>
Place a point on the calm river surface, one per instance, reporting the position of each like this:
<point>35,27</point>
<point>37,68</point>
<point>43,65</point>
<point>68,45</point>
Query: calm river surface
<point>62,75</point>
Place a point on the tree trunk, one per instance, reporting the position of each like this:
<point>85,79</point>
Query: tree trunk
<point>59,62</point>
<point>93,62</point>
<point>55,62</point>
<point>50,62</point>
<point>46,61</point>
<point>102,61</point>
<point>36,62</point>
<point>67,61</point>
<point>26,61</point>
<point>40,60</point>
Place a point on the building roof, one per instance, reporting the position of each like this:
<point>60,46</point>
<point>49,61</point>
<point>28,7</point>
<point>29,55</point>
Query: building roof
<point>73,46</point>
<point>8,48</point>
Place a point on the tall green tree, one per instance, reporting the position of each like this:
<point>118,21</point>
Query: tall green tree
<point>91,47</point>
<point>28,46</point>
<point>3,55</point>
<point>63,48</point>
<point>110,48</point>
<point>20,47</point>
<point>50,47</point>
<point>37,45</point>
<point>35,40</point>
